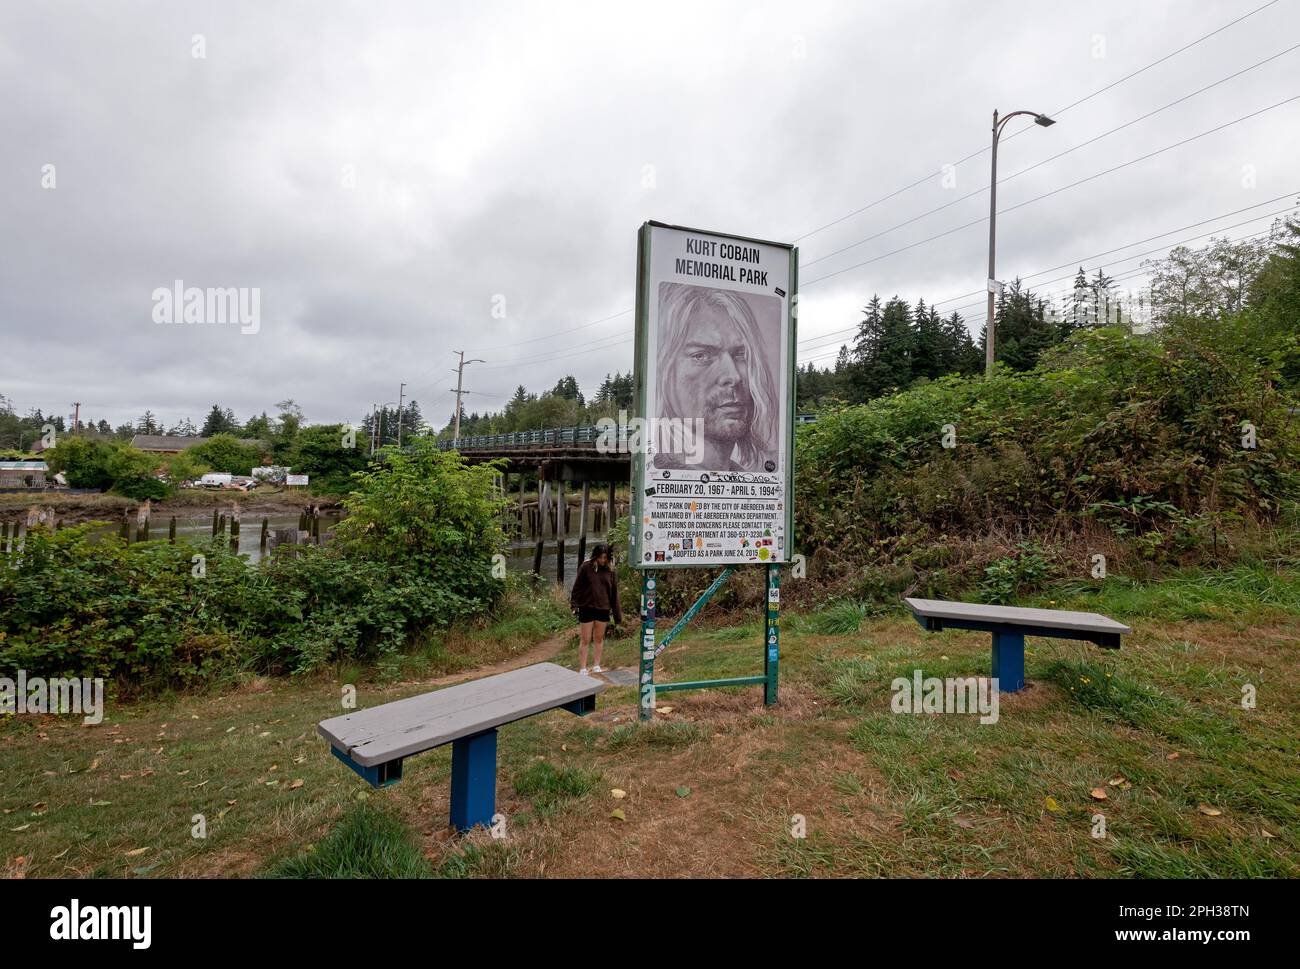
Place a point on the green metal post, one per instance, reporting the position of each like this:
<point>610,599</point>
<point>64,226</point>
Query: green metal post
<point>695,608</point>
<point>647,679</point>
<point>771,632</point>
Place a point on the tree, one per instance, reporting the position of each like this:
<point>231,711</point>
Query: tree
<point>884,348</point>
<point>83,461</point>
<point>323,456</point>
<point>147,423</point>
<point>259,427</point>
<point>222,452</point>
<point>219,422</point>
<point>134,473</point>
<point>1212,281</point>
<point>567,387</point>
<point>1023,331</point>
<point>929,350</point>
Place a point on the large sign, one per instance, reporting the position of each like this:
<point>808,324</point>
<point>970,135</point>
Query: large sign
<point>713,452</point>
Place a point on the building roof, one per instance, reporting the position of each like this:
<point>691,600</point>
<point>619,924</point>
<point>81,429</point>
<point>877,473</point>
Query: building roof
<point>23,466</point>
<point>172,442</point>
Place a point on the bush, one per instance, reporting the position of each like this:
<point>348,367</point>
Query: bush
<point>84,462</point>
<point>1140,433</point>
<point>223,453</point>
<point>416,553</point>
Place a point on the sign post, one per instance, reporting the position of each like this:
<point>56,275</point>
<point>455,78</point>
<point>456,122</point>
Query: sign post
<point>712,440</point>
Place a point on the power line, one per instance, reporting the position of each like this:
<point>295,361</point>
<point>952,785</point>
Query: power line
<point>506,346</point>
<point>984,188</point>
<point>1055,191</point>
<point>1057,113</point>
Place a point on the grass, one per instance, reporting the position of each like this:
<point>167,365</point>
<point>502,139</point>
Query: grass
<point>1195,784</point>
<point>366,843</point>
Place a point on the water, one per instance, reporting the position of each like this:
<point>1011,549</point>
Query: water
<point>519,557</point>
<point>196,529</point>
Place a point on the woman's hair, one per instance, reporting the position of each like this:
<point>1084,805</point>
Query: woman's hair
<point>678,302</point>
<point>597,551</point>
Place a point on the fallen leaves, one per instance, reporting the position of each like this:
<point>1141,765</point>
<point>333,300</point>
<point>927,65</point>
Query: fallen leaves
<point>136,852</point>
<point>1051,804</point>
<point>617,814</point>
<point>617,793</point>
<point>1098,794</point>
<point>683,791</point>
<point>297,783</point>
<point>1208,810</point>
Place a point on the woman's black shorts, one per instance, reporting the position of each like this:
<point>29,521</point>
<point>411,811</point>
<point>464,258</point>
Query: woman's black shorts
<point>587,614</point>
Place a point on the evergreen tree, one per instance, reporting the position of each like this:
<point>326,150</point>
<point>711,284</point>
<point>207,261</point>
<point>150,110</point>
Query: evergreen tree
<point>928,359</point>
<point>147,423</point>
<point>884,348</point>
<point>218,422</point>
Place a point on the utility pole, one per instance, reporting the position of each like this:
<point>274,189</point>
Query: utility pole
<point>76,417</point>
<point>460,374</point>
<point>400,397</point>
<point>990,325</point>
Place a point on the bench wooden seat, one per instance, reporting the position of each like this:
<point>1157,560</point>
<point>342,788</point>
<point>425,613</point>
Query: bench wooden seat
<point>1010,625</point>
<point>374,741</point>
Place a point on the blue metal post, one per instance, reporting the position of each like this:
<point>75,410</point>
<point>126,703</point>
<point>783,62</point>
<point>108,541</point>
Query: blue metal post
<point>474,780</point>
<point>647,678</point>
<point>1009,661</point>
<point>772,634</point>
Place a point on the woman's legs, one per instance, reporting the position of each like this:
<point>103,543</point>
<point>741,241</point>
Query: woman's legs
<point>584,637</point>
<point>598,631</point>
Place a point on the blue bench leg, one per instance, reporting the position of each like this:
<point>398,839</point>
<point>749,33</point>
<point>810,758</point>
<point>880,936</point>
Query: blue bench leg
<point>474,780</point>
<point>1009,661</point>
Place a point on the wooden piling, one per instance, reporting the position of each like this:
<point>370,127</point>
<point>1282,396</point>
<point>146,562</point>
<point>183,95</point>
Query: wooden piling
<point>171,530</point>
<point>582,523</point>
<point>521,504</point>
<point>266,532</point>
<point>562,505</point>
<point>234,529</point>
<point>613,510</point>
<point>124,530</point>
<point>214,523</point>
<point>543,497</point>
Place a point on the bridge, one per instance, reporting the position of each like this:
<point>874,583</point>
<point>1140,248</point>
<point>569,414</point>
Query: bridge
<point>580,455</point>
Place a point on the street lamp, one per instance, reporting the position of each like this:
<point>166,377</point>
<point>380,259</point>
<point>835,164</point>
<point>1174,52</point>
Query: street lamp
<point>990,325</point>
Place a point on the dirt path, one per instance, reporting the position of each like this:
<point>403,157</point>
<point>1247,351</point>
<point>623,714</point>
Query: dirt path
<point>543,651</point>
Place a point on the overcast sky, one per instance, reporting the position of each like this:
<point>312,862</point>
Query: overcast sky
<point>386,174</point>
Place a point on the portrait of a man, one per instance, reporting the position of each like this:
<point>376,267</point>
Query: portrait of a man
<point>718,353</point>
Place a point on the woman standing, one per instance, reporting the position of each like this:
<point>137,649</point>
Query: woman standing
<point>593,598</point>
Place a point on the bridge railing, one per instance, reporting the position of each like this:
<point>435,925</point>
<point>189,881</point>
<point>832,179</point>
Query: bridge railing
<point>550,437</point>
<point>554,437</point>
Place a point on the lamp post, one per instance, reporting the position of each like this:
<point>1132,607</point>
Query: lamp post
<point>990,325</point>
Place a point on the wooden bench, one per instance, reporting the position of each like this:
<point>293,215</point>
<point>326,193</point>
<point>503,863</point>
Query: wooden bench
<point>1010,625</point>
<point>373,741</point>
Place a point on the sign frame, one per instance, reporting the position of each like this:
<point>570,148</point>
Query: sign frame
<point>642,336</point>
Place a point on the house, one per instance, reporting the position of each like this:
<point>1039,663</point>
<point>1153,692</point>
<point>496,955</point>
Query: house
<point>23,474</point>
